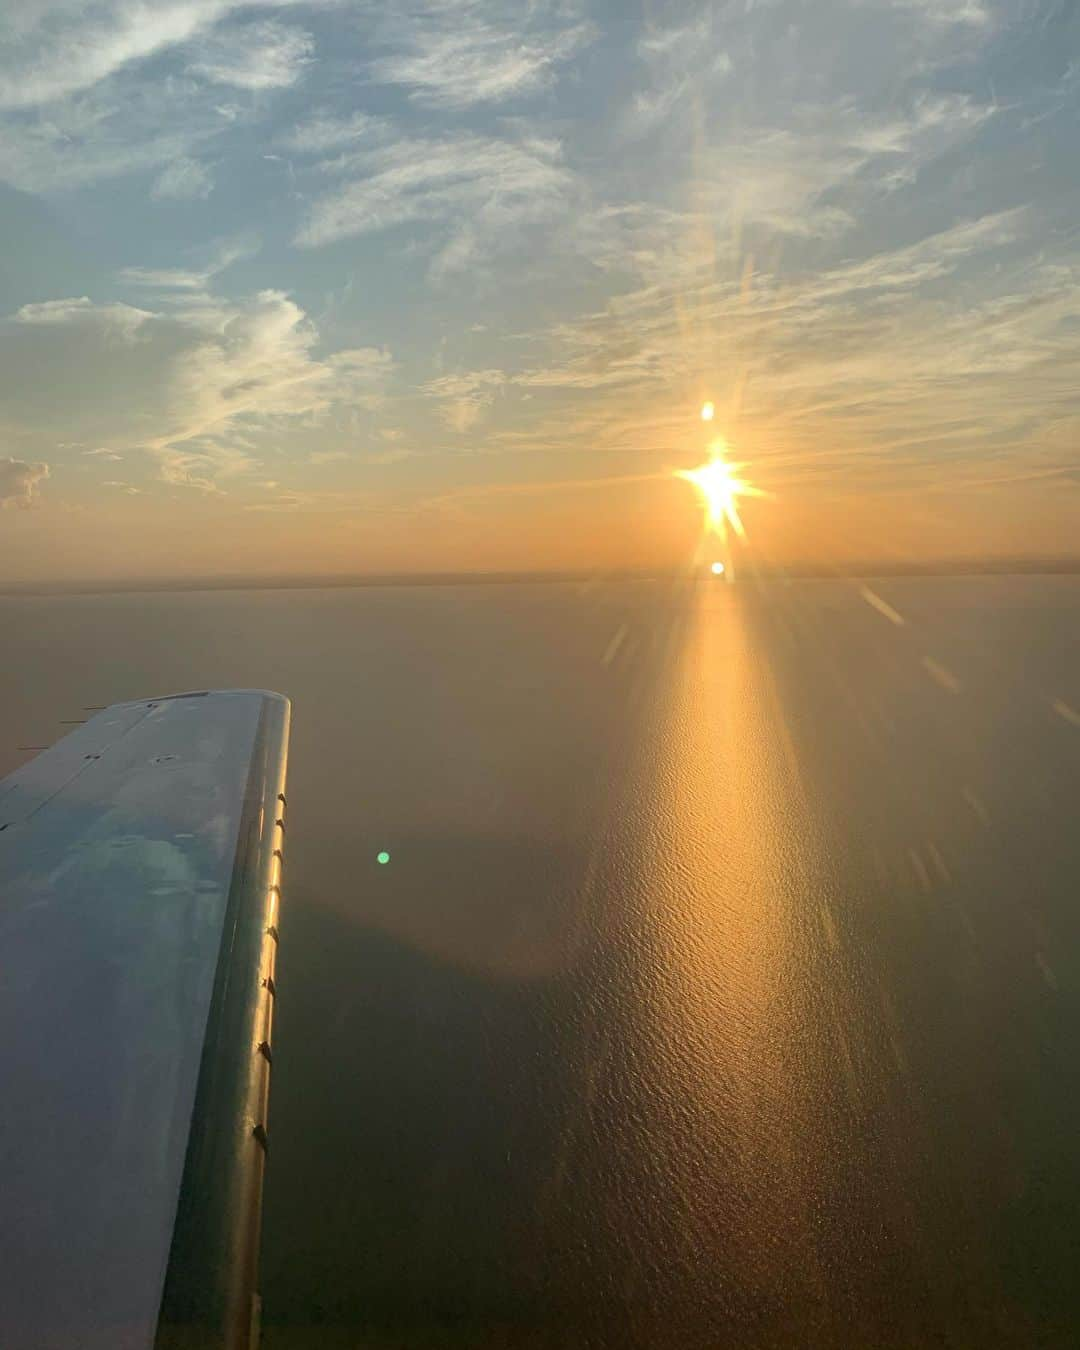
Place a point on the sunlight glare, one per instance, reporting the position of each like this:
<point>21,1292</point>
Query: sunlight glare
<point>720,487</point>
<point>708,412</point>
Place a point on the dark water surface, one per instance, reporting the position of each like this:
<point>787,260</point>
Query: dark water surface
<point>723,986</point>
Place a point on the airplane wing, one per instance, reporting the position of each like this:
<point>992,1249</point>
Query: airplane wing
<point>140,863</point>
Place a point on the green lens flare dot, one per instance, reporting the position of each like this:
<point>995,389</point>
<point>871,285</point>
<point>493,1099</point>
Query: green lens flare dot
<point>382,858</point>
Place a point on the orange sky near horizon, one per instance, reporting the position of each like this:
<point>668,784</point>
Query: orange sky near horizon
<point>638,523</point>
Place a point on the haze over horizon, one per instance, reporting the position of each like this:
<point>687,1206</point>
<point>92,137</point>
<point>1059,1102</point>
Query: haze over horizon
<point>442,286</point>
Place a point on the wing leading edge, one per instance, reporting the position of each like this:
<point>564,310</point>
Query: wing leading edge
<point>140,874</point>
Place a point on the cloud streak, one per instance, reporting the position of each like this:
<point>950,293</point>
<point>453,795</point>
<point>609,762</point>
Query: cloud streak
<point>92,91</point>
<point>463,399</point>
<point>184,180</point>
<point>58,49</point>
<point>325,131</point>
<point>473,192</point>
<point>255,56</point>
<point>460,54</point>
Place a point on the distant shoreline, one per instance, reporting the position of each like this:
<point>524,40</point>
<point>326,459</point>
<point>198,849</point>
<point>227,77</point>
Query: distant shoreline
<point>341,581</point>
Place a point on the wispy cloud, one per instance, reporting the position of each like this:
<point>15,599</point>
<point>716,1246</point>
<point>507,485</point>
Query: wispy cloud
<point>641,337</point>
<point>19,481</point>
<point>944,13</point>
<point>91,91</point>
<point>164,278</point>
<point>108,132</point>
<point>114,319</point>
<point>316,135</point>
<point>62,48</point>
<point>882,373</point>
<point>55,49</point>
<point>813,179</point>
<point>257,366</point>
<point>184,180</point>
<point>42,159</point>
<point>282,501</point>
<point>683,62</point>
<point>463,399</point>
<point>254,56</point>
<point>473,191</point>
<point>183,285</point>
<point>459,53</point>
<point>204,379</point>
<point>383,458</point>
<point>854,370</point>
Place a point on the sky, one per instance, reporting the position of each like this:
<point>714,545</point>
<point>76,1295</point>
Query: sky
<point>362,286</point>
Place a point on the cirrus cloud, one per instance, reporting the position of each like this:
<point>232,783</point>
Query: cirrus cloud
<point>253,56</point>
<point>55,49</point>
<point>456,55</point>
<point>473,192</point>
<point>184,180</point>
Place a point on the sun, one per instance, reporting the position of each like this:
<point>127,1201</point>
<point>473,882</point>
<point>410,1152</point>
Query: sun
<point>720,487</point>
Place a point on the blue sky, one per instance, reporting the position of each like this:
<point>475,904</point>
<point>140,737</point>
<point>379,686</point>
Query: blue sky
<point>444,283</point>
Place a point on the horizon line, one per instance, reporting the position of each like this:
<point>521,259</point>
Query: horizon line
<point>940,567</point>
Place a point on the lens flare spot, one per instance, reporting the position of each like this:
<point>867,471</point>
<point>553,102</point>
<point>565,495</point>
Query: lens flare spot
<point>382,858</point>
<point>717,569</point>
<point>708,412</point>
